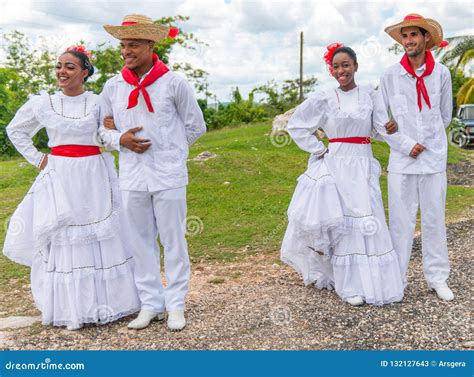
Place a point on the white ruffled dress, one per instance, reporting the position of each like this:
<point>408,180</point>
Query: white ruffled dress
<point>337,236</point>
<point>70,228</point>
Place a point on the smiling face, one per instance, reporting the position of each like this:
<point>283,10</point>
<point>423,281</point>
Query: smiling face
<point>413,40</point>
<point>70,73</point>
<point>136,53</point>
<point>344,69</point>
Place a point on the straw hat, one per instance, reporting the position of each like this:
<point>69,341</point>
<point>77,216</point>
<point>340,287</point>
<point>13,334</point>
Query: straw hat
<point>413,19</point>
<point>137,26</point>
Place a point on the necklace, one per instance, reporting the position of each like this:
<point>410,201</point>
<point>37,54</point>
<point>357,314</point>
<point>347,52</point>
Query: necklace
<point>339,102</point>
<point>62,109</point>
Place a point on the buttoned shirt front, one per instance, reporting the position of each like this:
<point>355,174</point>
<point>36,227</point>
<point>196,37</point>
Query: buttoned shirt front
<point>426,127</point>
<point>176,123</point>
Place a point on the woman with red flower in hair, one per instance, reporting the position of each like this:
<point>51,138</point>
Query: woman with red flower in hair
<point>337,236</point>
<point>69,228</point>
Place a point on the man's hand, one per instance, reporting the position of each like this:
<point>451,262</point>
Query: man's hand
<point>109,123</point>
<point>417,149</point>
<point>44,162</point>
<point>130,141</point>
<point>391,127</point>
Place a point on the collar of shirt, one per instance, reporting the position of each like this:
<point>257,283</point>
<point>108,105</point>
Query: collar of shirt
<point>120,78</point>
<point>419,71</point>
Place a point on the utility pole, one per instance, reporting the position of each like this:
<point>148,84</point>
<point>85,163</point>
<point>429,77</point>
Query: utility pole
<point>301,68</point>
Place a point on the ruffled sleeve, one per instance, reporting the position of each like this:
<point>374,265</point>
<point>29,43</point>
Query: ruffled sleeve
<point>23,127</point>
<point>308,117</point>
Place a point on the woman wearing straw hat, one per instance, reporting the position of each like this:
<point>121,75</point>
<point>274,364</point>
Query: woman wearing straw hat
<point>70,227</point>
<point>337,236</point>
<point>159,106</point>
<point>418,93</point>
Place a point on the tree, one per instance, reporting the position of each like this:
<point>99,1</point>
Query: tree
<point>9,103</point>
<point>26,72</point>
<point>396,48</point>
<point>458,55</point>
<point>34,67</point>
<point>281,98</point>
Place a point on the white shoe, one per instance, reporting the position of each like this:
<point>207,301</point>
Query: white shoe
<point>144,318</point>
<point>355,300</point>
<point>444,293</point>
<point>176,321</point>
<point>73,328</point>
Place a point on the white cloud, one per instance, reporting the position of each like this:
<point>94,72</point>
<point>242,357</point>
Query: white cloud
<point>249,42</point>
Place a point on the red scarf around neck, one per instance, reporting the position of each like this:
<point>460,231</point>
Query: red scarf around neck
<point>158,70</point>
<point>420,84</point>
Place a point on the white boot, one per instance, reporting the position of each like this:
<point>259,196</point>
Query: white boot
<point>176,321</point>
<point>355,300</point>
<point>144,318</point>
<point>444,293</point>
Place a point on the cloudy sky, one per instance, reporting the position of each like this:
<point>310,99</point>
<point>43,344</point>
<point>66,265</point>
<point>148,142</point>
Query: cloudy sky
<point>250,42</point>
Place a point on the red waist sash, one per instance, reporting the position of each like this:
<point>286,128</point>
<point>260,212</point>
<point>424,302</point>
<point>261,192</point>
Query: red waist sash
<point>352,140</point>
<point>75,150</point>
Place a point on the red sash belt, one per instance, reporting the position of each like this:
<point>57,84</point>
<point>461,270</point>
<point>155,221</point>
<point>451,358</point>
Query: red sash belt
<point>75,150</point>
<point>353,140</point>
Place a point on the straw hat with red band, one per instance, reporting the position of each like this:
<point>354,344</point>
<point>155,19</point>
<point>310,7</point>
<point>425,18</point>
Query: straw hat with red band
<point>137,26</point>
<point>430,25</point>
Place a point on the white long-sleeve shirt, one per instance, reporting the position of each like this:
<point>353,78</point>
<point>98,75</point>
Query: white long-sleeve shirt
<point>398,93</point>
<point>332,110</point>
<point>176,123</point>
<point>56,113</point>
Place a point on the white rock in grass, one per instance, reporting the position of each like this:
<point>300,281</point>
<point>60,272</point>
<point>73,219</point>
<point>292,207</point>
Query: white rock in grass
<point>280,122</point>
<point>203,156</point>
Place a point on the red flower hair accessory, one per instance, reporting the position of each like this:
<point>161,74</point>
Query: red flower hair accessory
<point>80,48</point>
<point>329,54</point>
<point>173,32</point>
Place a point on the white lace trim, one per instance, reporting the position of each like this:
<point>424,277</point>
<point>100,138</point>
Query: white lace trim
<point>49,118</point>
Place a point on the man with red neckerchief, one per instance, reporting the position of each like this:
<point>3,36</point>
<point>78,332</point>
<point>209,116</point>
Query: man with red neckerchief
<point>417,91</point>
<point>157,118</point>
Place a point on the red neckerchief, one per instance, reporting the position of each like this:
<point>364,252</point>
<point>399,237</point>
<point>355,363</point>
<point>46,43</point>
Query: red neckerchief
<point>158,70</point>
<point>420,84</point>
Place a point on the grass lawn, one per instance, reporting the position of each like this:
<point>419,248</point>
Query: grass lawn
<point>241,196</point>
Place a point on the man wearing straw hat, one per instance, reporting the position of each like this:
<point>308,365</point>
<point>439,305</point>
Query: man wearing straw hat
<point>157,118</point>
<point>417,91</point>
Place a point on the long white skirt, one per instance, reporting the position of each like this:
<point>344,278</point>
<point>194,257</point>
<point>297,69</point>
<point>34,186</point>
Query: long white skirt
<point>337,236</point>
<point>70,230</point>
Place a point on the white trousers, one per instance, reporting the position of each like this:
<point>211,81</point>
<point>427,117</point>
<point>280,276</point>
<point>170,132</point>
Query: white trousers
<point>407,192</point>
<point>163,214</point>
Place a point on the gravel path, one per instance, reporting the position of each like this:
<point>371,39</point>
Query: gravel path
<point>258,303</point>
<point>462,172</point>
